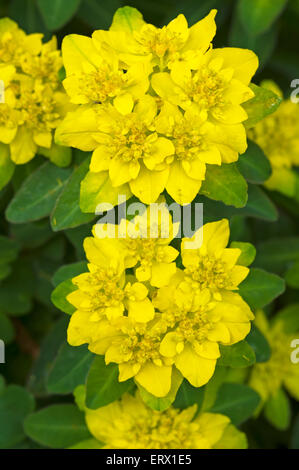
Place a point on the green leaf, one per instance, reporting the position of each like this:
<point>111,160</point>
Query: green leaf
<point>259,205</point>
<point>69,271</point>
<point>15,404</point>
<point>98,14</point>
<point>48,352</point>
<point>37,195</point>
<point>278,410</point>
<point>259,344</point>
<point>236,401</point>
<point>16,291</point>
<point>277,253</point>
<point>8,250</point>
<point>292,276</point>
<point>7,332</point>
<point>254,165</point>
<point>56,13</point>
<point>7,167</point>
<point>57,426</point>
<point>265,102</point>
<point>102,386</point>
<point>257,16</point>
<point>260,288</point>
<point>238,355</point>
<point>248,253</point>
<point>161,404</point>
<point>188,396</point>
<point>127,19</point>
<point>225,184</point>
<point>96,189</point>
<point>60,294</point>
<point>87,444</point>
<point>69,369</point>
<point>67,213</point>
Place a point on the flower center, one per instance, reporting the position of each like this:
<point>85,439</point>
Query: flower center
<point>131,140</point>
<point>206,89</point>
<point>164,430</point>
<point>146,250</point>
<point>141,345</point>
<point>187,141</point>
<point>159,41</point>
<point>102,84</point>
<point>102,288</point>
<point>209,272</point>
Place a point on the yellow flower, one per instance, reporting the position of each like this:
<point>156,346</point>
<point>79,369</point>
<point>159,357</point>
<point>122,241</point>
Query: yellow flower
<point>162,46</point>
<point>212,265</point>
<point>195,324</point>
<point>144,244</point>
<point>34,102</point>
<point>278,136</point>
<point>279,372</point>
<point>129,424</point>
<point>162,136</point>
<point>15,45</point>
<point>175,322</point>
<point>95,74</point>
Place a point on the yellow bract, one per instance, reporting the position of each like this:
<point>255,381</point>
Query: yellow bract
<point>278,136</point>
<point>149,317</point>
<point>34,101</point>
<point>269,377</point>
<point>156,105</point>
<point>129,424</point>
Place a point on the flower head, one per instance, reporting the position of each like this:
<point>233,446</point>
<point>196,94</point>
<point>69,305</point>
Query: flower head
<point>157,320</point>
<point>278,372</point>
<point>34,102</point>
<point>278,136</point>
<point>213,265</point>
<point>129,424</point>
<point>185,113</point>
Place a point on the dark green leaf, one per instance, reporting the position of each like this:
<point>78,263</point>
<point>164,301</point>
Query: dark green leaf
<point>265,102</point>
<point>37,195</point>
<point>58,426</point>
<point>69,369</point>
<point>259,344</point>
<point>59,295</point>
<point>225,184</point>
<point>102,385</point>
<point>248,252</point>
<point>188,396</point>
<point>254,165</point>
<point>260,288</point>
<point>258,15</point>
<point>15,404</point>
<point>238,355</point>
<point>67,213</point>
<point>69,271</point>
<point>236,401</point>
<point>56,13</point>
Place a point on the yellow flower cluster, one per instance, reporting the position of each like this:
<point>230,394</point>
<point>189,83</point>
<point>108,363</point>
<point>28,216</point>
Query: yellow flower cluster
<point>278,136</point>
<point>33,101</point>
<point>269,377</point>
<point>129,424</point>
<point>151,318</point>
<point>155,105</point>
